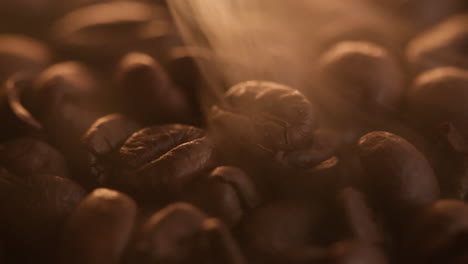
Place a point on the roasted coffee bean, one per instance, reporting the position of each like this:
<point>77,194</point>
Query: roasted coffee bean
<point>452,161</point>
<point>439,96</point>
<point>278,231</point>
<point>20,53</point>
<point>183,69</point>
<point>348,85</point>
<point>102,141</point>
<point>263,117</point>
<point>34,210</point>
<point>147,92</point>
<point>14,114</point>
<point>322,182</point>
<point>452,137</point>
<point>294,187</point>
<point>172,235</point>
<point>359,218</point>
<point>398,179</point>
<point>420,14</point>
<point>350,252</point>
<point>241,182</point>
<point>188,68</point>
<point>157,162</point>
<point>28,156</point>
<point>222,245</point>
<point>227,193</point>
<point>304,173</point>
<point>106,31</point>
<point>274,116</point>
<point>326,144</point>
<point>65,98</point>
<point>335,165</point>
<point>441,46</point>
<point>436,102</point>
<point>99,229</point>
<point>440,234</point>
<point>365,29</point>
<point>66,82</point>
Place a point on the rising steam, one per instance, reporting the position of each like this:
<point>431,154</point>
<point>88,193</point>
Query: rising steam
<point>276,40</point>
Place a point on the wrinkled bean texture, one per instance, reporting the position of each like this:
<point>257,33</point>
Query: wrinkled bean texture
<point>268,115</point>
<point>158,161</point>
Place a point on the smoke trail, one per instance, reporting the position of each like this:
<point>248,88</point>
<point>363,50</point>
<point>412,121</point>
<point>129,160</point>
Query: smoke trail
<point>276,40</point>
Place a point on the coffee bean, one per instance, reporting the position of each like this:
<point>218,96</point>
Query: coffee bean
<point>108,133</point>
<point>241,182</point>
<point>105,31</point>
<point>349,252</point>
<point>183,69</point>
<point>14,112</point>
<point>365,29</point>
<point>356,101</point>
<point>263,117</point>
<point>147,92</point>
<point>359,217</point>
<point>398,178</point>
<point>34,210</point>
<point>322,182</point>
<point>66,82</point>
<point>452,162</point>
<point>439,96</point>
<point>19,53</point>
<point>183,234</point>
<point>99,228</point>
<point>326,143</point>
<point>436,103</point>
<point>102,141</point>
<point>278,230</point>
<point>211,160</point>
<point>28,156</point>
<point>439,235</point>
<point>157,162</point>
<point>189,68</point>
<point>172,235</point>
<point>440,46</point>
<point>223,247</point>
<point>65,98</point>
<point>420,13</point>
<point>227,193</point>
<point>348,85</point>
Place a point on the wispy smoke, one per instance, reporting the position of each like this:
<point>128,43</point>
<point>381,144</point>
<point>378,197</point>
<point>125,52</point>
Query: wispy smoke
<point>277,40</point>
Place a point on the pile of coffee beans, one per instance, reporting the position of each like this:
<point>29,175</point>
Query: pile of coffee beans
<point>113,150</point>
